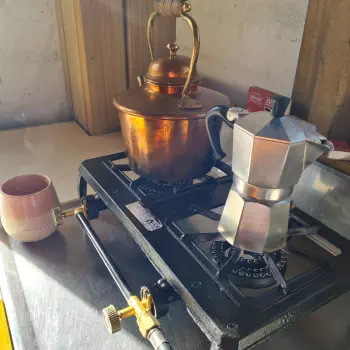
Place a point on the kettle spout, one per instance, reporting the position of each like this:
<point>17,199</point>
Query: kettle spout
<point>316,146</point>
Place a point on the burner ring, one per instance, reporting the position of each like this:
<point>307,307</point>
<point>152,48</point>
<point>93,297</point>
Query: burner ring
<point>250,270</point>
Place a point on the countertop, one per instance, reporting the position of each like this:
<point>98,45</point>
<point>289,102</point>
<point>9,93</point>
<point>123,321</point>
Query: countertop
<point>54,150</point>
<point>54,290</point>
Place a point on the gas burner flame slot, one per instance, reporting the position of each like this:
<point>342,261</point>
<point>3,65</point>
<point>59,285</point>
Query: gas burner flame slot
<point>250,270</point>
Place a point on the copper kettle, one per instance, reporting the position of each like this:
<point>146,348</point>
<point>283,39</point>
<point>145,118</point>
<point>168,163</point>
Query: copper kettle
<point>163,120</point>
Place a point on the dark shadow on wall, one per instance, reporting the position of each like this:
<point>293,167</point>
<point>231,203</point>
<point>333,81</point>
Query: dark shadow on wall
<point>237,95</point>
<point>340,126</point>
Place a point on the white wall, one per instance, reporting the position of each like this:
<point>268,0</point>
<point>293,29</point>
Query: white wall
<point>247,42</point>
<point>244,42</point>
<point>32,86</point>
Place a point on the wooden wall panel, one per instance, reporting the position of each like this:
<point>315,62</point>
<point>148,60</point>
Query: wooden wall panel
<point>137,14</point>
<point>105,46</point>
<point>70,50</point>
<point>94,40</point>
<point>64,57</point>
<point>322,84</point>
<point>342,166</point>
<point>100,26</point>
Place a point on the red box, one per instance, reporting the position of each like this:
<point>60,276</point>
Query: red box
<point>261,100</point>
<point>341,150</point>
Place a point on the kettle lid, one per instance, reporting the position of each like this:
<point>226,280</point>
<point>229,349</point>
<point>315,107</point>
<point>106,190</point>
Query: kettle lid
<point>172,70</point>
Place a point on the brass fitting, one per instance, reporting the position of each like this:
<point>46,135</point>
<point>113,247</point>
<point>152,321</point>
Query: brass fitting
<point>58,214</point>
<point>186,7</point>
<point>141,309</point>
<point>144,318</point>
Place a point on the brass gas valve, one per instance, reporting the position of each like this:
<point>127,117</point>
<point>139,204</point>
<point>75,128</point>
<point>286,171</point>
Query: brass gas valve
<point>141,309</point>
<point>58,214</point>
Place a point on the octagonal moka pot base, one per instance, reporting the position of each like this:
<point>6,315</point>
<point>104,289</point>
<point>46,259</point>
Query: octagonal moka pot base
<point>258,226</point>
<point>270,152</point>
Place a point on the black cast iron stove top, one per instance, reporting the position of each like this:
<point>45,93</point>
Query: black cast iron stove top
<point>238,299</point>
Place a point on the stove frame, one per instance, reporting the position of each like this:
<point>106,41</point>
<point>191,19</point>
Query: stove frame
<point>229,319</point>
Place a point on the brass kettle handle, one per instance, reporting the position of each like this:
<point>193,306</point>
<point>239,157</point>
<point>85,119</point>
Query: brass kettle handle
<point>185,8</point>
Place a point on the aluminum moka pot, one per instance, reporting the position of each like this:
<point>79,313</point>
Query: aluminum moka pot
<point>163,120</point>
<point>270,152</point>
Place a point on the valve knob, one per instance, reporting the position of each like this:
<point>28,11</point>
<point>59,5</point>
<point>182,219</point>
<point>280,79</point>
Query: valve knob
<point>112,320</point>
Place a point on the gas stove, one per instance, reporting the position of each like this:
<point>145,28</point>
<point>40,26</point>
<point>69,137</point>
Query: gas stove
<point>237,298</point>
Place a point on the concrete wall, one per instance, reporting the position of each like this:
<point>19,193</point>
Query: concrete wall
<point>32,86</point>
<point>247,42</point>
<point>244,42</point>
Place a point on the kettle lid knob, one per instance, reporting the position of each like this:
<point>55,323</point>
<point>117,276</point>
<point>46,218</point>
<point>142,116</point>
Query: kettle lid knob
<point>279,106</point>
<point>173,48</point>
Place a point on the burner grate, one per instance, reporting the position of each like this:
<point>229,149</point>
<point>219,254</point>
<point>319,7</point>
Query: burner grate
<point>150,191</point>
<point>250,270</point>
<point>151,187</point>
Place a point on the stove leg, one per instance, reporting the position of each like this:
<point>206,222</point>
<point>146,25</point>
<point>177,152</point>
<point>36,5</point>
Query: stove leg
<point>276,273</point>
<point>82,187</point>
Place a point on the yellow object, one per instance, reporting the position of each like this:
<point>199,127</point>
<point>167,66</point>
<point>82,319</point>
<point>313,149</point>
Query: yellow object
<point>144,318</point>
<point>58,214</point>
<point>139,308</point>
<point>5,341</point>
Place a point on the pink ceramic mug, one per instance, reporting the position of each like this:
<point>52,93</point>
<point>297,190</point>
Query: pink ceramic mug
<point>26,204</point>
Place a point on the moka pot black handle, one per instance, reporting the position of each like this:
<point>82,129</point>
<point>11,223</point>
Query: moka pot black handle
<point>213,128</point>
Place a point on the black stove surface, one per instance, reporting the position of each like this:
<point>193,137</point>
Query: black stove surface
<point>233,298</point>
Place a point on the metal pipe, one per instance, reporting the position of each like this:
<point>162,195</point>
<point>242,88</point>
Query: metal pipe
<point>158,340</point>
<point>155,336</point>
<point>113,270</point>
<point>165,346</point>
